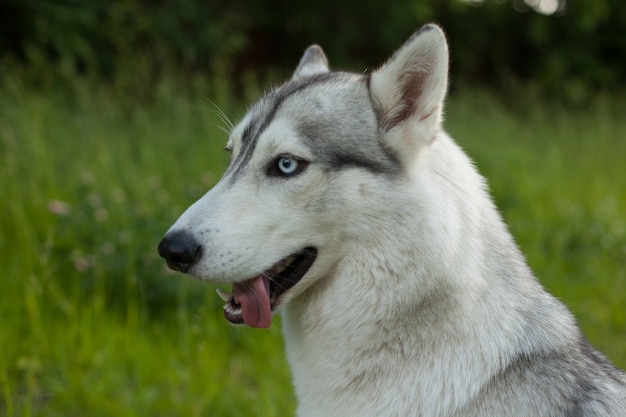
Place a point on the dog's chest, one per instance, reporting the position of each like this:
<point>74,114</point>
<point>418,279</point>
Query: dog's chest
<point>376,370</point>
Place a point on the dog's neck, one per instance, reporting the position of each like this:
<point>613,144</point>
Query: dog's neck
<point>445,346</point>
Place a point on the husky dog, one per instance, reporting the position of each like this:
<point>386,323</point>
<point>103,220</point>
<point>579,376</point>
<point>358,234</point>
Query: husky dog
<point>348,208</point>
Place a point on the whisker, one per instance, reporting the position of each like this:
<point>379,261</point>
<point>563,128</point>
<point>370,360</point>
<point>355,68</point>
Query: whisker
<point>228,125</point>
<point>224,129</point>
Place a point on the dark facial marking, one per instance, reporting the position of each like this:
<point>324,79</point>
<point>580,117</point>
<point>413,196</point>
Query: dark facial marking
<point>272,102</point>
<point>350,138</point>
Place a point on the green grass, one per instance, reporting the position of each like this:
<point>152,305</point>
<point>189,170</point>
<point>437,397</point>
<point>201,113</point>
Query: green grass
<point>91,176</point>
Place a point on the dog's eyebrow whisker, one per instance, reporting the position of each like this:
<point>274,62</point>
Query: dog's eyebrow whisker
<point>228,125</point>
<point>222,115</point>
<point>224,129</point>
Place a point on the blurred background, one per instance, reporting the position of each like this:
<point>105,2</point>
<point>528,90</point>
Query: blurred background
<point>569,47</point>
<point>112,123</point>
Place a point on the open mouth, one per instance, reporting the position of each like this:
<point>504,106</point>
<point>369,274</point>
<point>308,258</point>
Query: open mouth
<point>252,301</point>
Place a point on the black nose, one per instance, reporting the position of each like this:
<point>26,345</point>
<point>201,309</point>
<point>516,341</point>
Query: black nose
<point>180,250</point>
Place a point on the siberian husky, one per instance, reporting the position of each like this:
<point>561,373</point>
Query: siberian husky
<point>349,209</point>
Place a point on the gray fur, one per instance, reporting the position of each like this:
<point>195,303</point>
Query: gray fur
<point>313,62</point>
<point>357,148</point>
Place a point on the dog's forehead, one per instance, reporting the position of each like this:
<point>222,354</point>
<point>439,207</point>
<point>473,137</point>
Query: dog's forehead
<point>332,115</point>
<point>295,99</point>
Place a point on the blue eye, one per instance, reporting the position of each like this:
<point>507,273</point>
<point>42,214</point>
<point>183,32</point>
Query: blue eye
<point>286,166</point>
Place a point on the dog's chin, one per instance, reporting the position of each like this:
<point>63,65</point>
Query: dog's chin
<point>252,301</point>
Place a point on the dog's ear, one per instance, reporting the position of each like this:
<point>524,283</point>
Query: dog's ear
<point>313,62</point>
<point>412,84</point>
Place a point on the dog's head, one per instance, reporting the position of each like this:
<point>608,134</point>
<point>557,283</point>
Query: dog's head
<point>307,161</point>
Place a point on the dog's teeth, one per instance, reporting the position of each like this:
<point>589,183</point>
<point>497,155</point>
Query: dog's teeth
<point>231,310</point>
<point>223,294</point>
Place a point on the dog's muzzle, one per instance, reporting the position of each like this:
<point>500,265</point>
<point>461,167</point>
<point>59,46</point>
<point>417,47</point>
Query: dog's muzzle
<point>180,250</point>
<point>253,299</point>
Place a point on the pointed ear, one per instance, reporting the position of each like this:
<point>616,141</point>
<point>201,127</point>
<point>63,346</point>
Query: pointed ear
<point>412,84</point>
<point>313,62</point>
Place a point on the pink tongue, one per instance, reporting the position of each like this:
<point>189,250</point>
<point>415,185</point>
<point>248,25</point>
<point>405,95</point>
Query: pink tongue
<point>254,297</point>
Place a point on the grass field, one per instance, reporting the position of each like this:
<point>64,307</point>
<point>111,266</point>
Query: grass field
<point>92,176</point>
